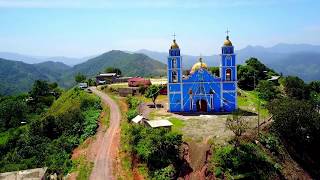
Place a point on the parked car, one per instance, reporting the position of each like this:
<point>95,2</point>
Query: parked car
<point>83,85</point>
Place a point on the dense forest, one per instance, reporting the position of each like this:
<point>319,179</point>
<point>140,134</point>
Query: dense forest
<point>42,127</point>
<point>294,107</point>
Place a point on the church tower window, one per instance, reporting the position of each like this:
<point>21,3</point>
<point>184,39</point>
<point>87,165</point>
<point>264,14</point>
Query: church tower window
<point>174,76</point>
<point>228,74</point>
<point>174,63</point>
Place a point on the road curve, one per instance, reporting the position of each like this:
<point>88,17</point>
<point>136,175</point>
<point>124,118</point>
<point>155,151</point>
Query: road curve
<point>103,164</point>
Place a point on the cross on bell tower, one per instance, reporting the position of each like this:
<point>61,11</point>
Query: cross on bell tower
<point>227,32</point>
<point>174,36</point>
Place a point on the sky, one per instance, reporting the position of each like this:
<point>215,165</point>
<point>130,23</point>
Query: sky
<point>84,28</point>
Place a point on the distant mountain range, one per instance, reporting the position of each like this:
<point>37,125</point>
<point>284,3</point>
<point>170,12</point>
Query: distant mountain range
<point>38,59</point>
<point>300,60</point>
<point>17,72</point>
<point>17,76</point>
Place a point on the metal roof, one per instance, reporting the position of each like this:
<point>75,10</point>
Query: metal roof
<point>159,123</point>
<point>273,78</point>
<point>137,119</point>
<point>108,74</point>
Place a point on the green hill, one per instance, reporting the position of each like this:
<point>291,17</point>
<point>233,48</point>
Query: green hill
<point>129,64</point>
<point>17,76</point>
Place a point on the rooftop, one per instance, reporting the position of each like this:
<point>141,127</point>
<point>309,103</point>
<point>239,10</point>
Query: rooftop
<point>107,74</point>
<point>37,173</point>
<point>137,119</point>
<point>159,123</point>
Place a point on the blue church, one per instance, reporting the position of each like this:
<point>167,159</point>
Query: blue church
<point>202,91</point>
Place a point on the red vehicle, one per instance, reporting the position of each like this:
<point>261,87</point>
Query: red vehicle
<point>164,90</point>
<point>138,81</point>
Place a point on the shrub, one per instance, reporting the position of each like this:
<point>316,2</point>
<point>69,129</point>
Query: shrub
<point>166,173</point>
<point>132,113</point>
<point>271,142</point>
<point>133,102</point>
<point>247,160</point>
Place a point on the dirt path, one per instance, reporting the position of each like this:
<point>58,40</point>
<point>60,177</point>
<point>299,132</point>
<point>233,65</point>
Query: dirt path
<point>108,143</point>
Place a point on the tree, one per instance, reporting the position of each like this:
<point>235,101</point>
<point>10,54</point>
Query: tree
<point>252,72</point>
<point>315,100</point>
<point>297,122</point>
<point>237,124</point>
<point>153,92</point>
<point>79,78</point>
<point>186,72</point>
<point>295,87</point>
<point>12,112</point>
<point>315,86</point>
<point>259,67</point>
<point>113,70</point>
<point>266,90</point>
<point>39,88</point>
<point>246,77</point>
<point>157,147</point>
<point>214,70</point>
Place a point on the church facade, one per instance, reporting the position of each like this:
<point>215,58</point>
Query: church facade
<point>202,91</point>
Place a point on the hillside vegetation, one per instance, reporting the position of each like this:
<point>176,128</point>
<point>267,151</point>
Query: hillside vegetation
<point>293,133</point>
<point>17,77</point>
<point>50,133</point>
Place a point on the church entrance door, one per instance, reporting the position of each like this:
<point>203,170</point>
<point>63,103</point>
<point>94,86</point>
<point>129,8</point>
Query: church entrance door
<point>202,105</point>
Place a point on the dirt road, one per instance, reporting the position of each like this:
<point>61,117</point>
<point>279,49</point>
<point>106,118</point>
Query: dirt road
<point>108,146</point>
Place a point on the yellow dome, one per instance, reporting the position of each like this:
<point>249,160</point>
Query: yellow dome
<point>227,42</point>
<point>174,45</point>
<point>198,65</point>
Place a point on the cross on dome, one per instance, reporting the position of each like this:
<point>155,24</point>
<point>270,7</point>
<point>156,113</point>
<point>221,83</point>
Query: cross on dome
<point>227,32</point>
<point>174,36</point>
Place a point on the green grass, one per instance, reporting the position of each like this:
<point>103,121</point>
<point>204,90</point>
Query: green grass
<point>106,118</point>
<point>178,124</point>
<point>83,167</point>
<point>249,101</point>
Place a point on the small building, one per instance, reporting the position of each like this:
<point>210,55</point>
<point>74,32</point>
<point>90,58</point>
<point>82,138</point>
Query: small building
<point>138,119</point>
<point>122,79</point>
<point>83,85</point>
<point>159,123</point>
<point>38,173</point>
<point>106,78</point>
<point>124,92</point>
<point>138,81</point>
<point>274,78</point>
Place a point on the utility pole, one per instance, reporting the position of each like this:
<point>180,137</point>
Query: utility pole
<point>254,80</point>
<point>258,118</point>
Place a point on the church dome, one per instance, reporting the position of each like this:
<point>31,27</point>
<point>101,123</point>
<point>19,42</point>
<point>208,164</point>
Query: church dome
<point>174,45</point>
<point>227,42</point>
<point>198,65</point>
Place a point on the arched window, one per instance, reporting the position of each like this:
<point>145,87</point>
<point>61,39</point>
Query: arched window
<point>174,76</point>
<point>228,75</point>
<point>174,63</point>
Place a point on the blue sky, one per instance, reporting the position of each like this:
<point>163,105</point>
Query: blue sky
<point>81,28</point>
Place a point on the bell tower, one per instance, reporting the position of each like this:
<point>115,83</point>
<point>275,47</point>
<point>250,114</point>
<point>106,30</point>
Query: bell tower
<point>228,68</point>
<point>175,77</point>
<point>228,75</point>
